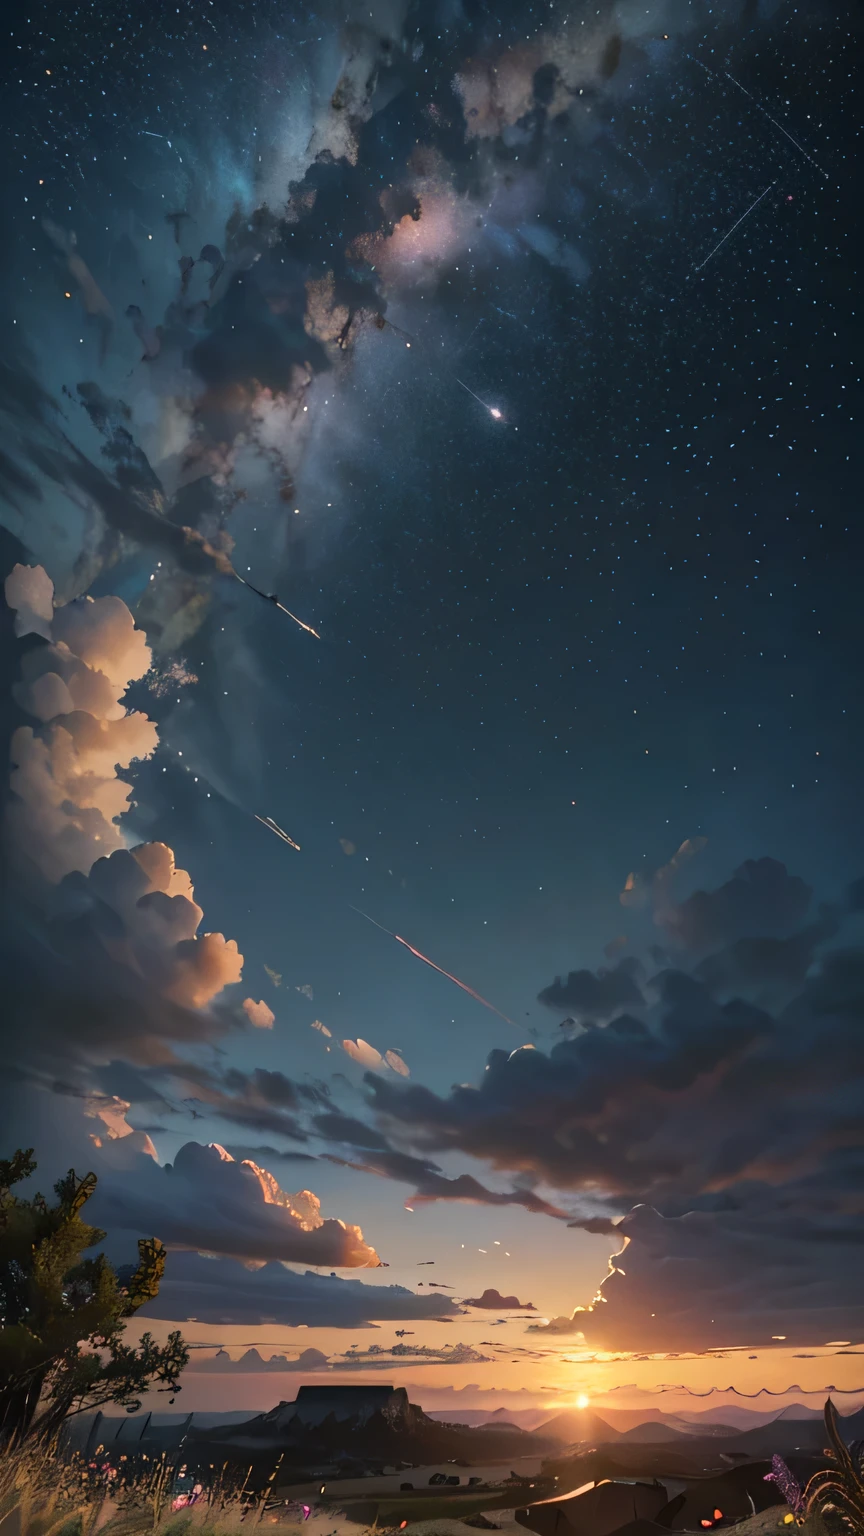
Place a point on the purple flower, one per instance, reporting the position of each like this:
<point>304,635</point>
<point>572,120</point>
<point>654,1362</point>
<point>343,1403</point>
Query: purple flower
<point>787,1484</point>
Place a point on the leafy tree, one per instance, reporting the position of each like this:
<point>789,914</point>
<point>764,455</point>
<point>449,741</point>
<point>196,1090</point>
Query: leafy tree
<point>62,1315</point>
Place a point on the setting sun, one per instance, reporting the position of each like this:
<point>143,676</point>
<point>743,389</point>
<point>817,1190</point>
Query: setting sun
<point>582,1402</point>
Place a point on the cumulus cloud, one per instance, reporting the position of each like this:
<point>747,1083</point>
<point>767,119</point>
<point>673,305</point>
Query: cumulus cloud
<point>142,908</point>
<point>742,1115</point>
<point>493,1301</point>
<point>207,1202</point>
<point>258,1014</point>
<point>762,899</point>
<point>638,889</point>
<point>29,593</point>
<point>114,965</point>
<point>225,1291</point>
<point>712,1279</point>
<point>595,995</point>
<point>67,796</point>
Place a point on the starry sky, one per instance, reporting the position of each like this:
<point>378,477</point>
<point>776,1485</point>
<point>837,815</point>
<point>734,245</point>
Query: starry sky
<point>515,348</point>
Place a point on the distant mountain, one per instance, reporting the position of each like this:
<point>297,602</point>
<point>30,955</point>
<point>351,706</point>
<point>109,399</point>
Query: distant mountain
<point>654,1433</point>
<point>750,1418</point>
<point>523,1418</point>
<point>785,1435</point>
<point>576,1425</point>
<point>360,1424</point>
<point>707,1421</point>
<point>799,1411</point>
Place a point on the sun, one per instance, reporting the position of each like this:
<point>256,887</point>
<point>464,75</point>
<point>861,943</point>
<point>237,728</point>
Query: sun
<point>582,1401</point>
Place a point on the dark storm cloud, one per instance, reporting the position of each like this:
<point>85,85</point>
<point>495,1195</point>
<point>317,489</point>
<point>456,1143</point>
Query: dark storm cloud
<point>595,995</point>
<point>703,1100</point>
<point>80,1007</point>
<point>601,1225</point>
<point>765,963</point>
<point>493,1301</point>
<point>742,1123</point>
<point>430,1184</point>
<point>260,1101</point>
<point>224,1291</point>
<point>708,1279</point>
<point>762,899</point>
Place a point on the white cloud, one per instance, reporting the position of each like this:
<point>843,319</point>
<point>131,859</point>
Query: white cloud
<point>258,1014</point>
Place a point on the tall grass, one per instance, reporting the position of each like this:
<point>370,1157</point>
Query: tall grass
<point>45,1494</point>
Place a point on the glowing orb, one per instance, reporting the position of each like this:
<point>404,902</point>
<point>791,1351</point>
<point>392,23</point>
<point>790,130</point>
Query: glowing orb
<point>583,1401</point>
<point>494,412</point>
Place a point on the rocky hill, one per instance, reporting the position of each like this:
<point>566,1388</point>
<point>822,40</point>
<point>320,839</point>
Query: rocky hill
<point>372,1425</point>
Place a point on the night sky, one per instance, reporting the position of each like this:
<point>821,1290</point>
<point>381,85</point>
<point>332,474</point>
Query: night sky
<point>515,348</point>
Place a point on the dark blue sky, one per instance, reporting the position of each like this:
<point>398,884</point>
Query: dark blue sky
<point>555,644</point>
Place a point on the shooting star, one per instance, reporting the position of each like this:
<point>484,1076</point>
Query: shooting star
<point>272,826</point>
<point>426,961</point>
<point>492,409</point>
<point>786,134</point>
<point>412,341</point>
<point>270,597</point>
<point>734,227</point>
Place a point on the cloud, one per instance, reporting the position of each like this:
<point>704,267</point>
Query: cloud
<point>224,1291</point>
<point>738,1120</point>
<point>260,1100</point>
<point>29,592</point>
<point>597,1224</point>
<point>109,959</point>
<point>67,796</point>
<point>597,995</point>
<point>638,889</point>
<point>766,967</point>
<point>221,1363</point>
<point>206,1201</point>
<point>258,1014</point>
<point>634,893</point>
<point>702,1097</point>
<point>762,899</point>
<point>363,1053</point>
<point>141,907</point>
<point>566,1327</point>
<point>493,1301</point>
<point>430,1184</point>
<point>366,1055</point>
<point>708,1279</point>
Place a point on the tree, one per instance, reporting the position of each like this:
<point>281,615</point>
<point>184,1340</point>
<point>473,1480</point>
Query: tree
<point>62,1315</point>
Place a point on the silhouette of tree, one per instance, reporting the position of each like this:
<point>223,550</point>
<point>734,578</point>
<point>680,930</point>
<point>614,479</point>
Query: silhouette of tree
<point>62,1315</point>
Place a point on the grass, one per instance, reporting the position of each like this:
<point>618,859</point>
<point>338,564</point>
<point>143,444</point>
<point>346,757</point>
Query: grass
<point>44,1494</point>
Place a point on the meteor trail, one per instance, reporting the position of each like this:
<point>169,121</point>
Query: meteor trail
<point>766,113</point>
<point>426,961</point>
<point>272,826</point>
<point>734,227</point>
<point>270,597</point>
<point>492,409</point>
